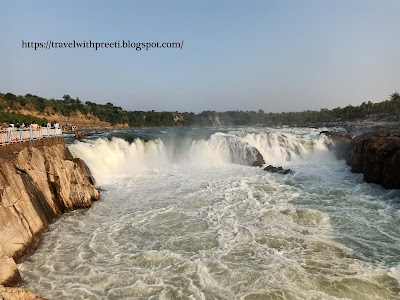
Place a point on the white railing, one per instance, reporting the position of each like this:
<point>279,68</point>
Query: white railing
<point>11,136</point>
<point>46,131</point>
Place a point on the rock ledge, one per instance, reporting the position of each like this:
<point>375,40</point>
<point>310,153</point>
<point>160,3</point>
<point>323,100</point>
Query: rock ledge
<point>39,181</point>
<point>377,156</point>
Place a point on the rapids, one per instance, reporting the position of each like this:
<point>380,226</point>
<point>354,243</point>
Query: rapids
<point>182,215</point>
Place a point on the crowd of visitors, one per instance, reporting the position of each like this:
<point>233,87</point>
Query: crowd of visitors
<point>34,126</point>
<point>11,133</point>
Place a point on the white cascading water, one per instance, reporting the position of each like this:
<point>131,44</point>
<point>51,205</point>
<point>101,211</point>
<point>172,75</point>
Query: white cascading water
<point>108,159</point>
<point>289,148</point>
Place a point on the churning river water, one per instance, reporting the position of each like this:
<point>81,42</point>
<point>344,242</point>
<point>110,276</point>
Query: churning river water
<point>181,216</point>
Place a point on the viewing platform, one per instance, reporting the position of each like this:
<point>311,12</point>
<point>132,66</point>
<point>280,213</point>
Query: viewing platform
<point>11,136</point>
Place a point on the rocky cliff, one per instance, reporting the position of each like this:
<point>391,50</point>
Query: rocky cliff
<point>377,156</point>
<point>38,182</point>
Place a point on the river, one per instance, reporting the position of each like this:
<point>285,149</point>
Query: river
<point>183,216</point>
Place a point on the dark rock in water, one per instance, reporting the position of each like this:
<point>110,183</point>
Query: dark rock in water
<point>278,170</point>
<point>81,135</point>
<point>259,162</point>
<point>243,153</point>
<point>341,143</point>
<point>256,164</point>
<point>377,156</point>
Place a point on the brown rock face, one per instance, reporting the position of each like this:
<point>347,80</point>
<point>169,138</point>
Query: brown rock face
<point>81,134</point>
<point>377,156</point>
<point>85,169</point>
<point>62,182</point>
<point>37,185</point>
<point>9,275</point>
<point>9,293</point>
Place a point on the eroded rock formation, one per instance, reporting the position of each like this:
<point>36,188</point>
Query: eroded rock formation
<point>38,182</point>
<point>377,156</point>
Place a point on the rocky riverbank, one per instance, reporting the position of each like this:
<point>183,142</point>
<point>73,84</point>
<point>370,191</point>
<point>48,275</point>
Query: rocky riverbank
<point>39,181</point>
<point>375,154</point>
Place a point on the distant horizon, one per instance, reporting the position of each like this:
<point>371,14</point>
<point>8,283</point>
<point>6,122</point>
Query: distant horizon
<point>197,112</point>
<point>220,56</point>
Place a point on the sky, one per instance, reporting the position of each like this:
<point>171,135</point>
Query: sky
<point>237,55</point>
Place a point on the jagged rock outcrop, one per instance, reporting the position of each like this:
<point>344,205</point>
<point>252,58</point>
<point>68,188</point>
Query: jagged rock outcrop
<point>82,134</point>
<point>278,170</point>
<point>377,156</point>
<point>10,293</point>
<point>259,159</point>
<point>341,143</point>
<point>38,181</point>
<point>85,169</point>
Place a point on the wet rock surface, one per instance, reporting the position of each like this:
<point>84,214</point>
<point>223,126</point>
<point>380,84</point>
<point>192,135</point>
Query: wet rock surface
<point>278,170</point>
<point>377,156</point>
<point>243,153</point>
<point>82,134</point>
<point>259,160</point>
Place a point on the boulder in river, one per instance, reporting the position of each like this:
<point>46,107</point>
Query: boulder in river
<point>243,153</point>
<point>82,134</point>
<point>278,170</point>
<point>259,159</point>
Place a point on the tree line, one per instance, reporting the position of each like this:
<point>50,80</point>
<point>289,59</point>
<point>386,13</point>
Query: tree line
<point>68,106</point>
<point>11,117</point>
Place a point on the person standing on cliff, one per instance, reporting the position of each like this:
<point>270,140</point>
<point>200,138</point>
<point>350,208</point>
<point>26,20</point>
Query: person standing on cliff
<point>56,125</point>
<point>10,128</point>
<point>34,126</point>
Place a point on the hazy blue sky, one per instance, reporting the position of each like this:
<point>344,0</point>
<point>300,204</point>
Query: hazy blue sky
<point>246,55</point>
